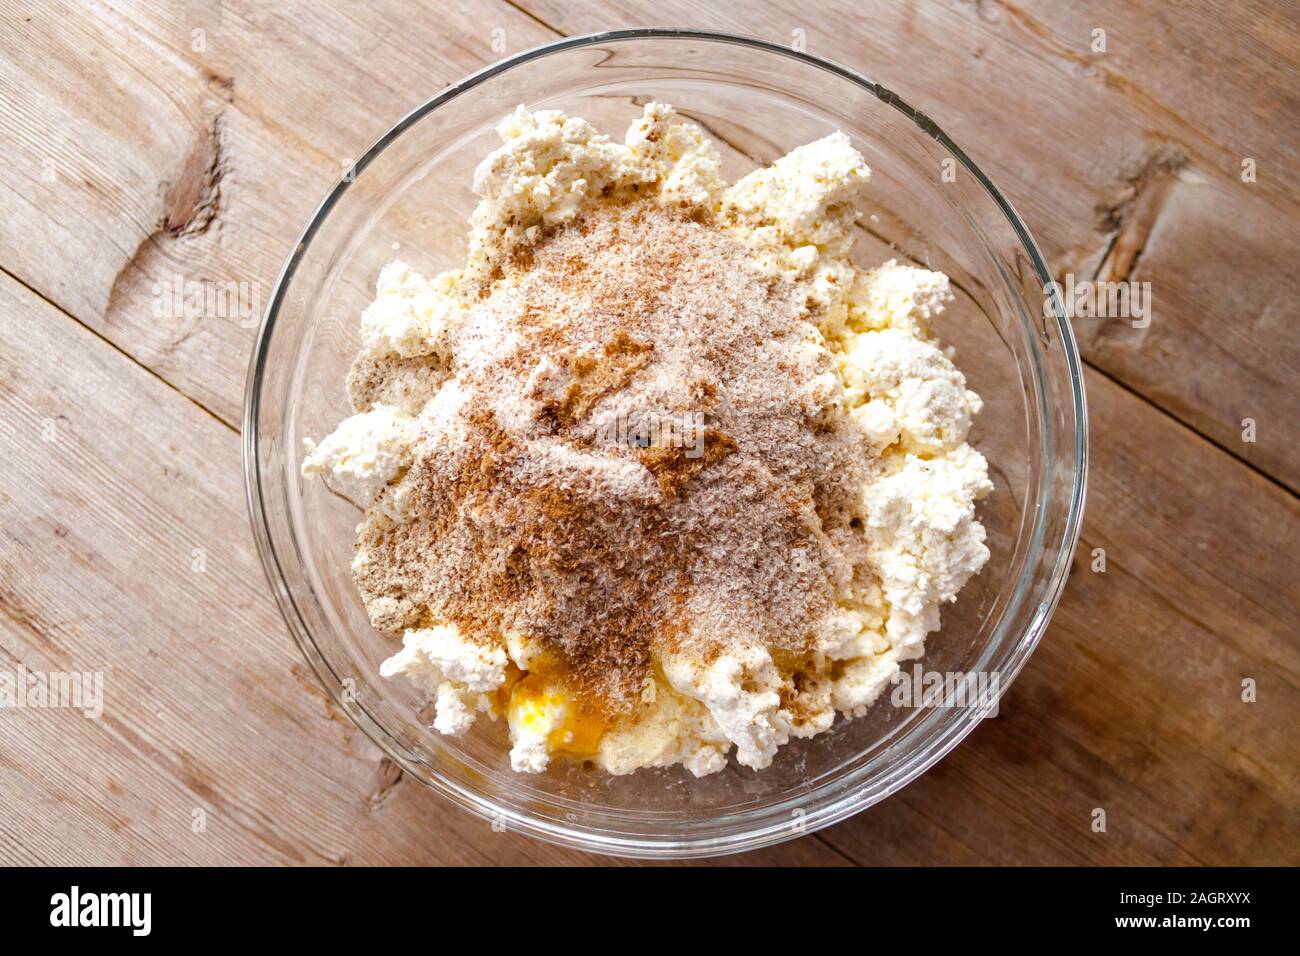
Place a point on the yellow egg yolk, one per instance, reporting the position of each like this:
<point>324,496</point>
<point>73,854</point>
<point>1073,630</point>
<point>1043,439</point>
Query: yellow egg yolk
<point>541,705</point>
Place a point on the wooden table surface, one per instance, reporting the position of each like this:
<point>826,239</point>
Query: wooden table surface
<point>141,142</point>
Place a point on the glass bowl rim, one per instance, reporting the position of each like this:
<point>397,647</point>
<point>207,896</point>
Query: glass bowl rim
<point>839,806</point>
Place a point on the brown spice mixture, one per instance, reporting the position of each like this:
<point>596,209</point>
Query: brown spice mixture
<point>626,459</point>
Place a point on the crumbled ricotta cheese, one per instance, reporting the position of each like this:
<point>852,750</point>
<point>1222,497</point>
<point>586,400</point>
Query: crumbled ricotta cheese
<point>679,157</point>
<point>862,680</point>
<point>363,454</point>
<point>899,297</point>
<point>741,689</point>
<point>550,166</point>
<point>925,539</point>
<point>809,197</point>
<point>458,673</point>
<point>798,216</point>
<point>916,396</point>
<point>674,730</point>
<point>411,315</point>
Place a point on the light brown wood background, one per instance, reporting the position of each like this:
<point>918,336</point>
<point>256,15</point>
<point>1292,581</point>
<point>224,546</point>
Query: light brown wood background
<point>139,141</point>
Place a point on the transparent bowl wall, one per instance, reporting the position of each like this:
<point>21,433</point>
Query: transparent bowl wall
<point>411,196</point>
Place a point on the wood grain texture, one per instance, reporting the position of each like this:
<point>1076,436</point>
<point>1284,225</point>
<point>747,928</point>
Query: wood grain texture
<point>134,150</point>
<point>115,105</point>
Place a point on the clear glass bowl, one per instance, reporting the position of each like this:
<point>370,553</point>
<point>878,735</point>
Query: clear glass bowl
<point>410,197</point>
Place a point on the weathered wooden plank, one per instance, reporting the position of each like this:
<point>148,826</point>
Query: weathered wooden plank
<point>119,162</point>
<point>125,552</point>
<point>1069,134</point>
<point>1230,72</point>
<point>137,160</point>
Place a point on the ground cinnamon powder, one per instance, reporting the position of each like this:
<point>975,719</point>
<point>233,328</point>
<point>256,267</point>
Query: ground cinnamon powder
<point>631,454</point>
